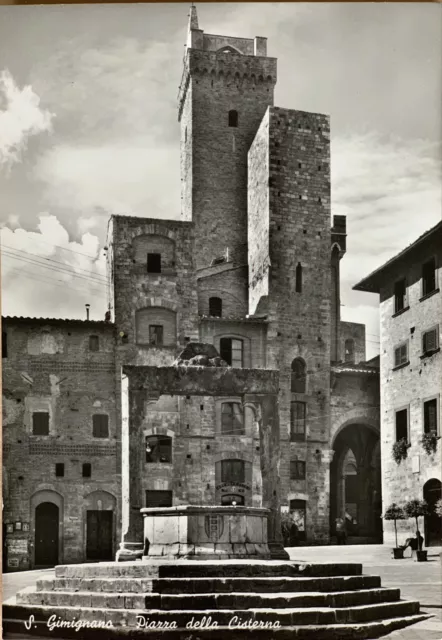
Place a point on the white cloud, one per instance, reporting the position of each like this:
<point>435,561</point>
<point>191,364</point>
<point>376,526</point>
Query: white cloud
<point>21,118</point>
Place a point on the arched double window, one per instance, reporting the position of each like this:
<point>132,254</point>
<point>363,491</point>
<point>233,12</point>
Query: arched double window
<point>215,307</point>
<point>298,376</point>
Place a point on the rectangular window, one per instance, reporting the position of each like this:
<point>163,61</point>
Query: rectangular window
<point>158,499</point>
<point>94,343</point>
<point>428,277</point>
<point>156,334</point>
<point>231,351</point>
<point>402,425</point>
<point>154,263</point>
<point>430,341</point>
<point>297,470</point>
<point>430,416</point>
<point>297,421</point>
<point>87,470</point>
<point>59,470</point>
<point>400,295</point>
<point>401,354</point>
<point>232,471</point>
<point>4,344</point>
<point>100,425</point>
<point>40,423</point>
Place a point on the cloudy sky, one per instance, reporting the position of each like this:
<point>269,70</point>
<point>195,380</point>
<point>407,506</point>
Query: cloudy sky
<point>88,127</point>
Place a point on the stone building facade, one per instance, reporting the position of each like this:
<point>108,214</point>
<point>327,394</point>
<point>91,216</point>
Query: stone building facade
<point>61,442</point>
<point>411,377</point>
<point>252,267</point>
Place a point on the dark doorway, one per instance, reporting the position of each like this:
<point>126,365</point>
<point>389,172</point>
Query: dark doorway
<point>46,535</point>
<point>99,535</point>
<point>433,522</point>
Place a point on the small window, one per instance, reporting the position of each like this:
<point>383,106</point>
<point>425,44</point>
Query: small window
<point>40,423</point>
<point>232,423</point>
<point>349,350</point>
<point>154,263</point>
<point>297,470</point>
<point>156,334</point>
<point>233,118</point>
<point>430,416</point>
<point>231,351</point>
<point>94,343</point>
<point>4,344</point>
<point>297,421</point>
<point>298,377</point>
<point>158,449</point>
<point>215,307</point>
<point>233,471</point>
<point>158,499</point>
<point>87,470</point>
<point>401,354</point>
<point>59,470</point>
<point>430,341</point>
<point>100,425</point>
<point>428,277</point>
<point>400,295</point>
<point>298,282</point>
<point>402,425</point>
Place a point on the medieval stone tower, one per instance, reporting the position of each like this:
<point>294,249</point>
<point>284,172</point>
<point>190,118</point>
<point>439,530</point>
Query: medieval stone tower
<point>252,267</point>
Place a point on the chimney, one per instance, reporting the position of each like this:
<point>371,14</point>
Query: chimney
<point>87,311</point>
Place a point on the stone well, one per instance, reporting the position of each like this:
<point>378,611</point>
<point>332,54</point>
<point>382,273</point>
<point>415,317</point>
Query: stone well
<point>205,532</point>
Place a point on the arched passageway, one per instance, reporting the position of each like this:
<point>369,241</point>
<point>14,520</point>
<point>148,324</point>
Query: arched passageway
<point>355,484</point>
<point>433,523</point>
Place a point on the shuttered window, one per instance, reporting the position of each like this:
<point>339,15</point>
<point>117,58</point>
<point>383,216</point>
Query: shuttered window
<point>430,340</point>
<point>297,421</point>
<point>430,416</point>
<point>100,425</point>
<point>40,423</point>
<point>231,351</point>
<point>401,354</point>
<point>158,499</point>
<point>428,277</point>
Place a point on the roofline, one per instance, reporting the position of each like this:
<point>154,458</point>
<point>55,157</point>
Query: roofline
<point>70,321</point>
<point>370,283</point>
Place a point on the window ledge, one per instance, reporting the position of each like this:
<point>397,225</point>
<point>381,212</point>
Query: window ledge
<point>398,313</point>
<point>428,354</point>
<point>297,439</point>
<point>401,366</point>
<point>428,295</point>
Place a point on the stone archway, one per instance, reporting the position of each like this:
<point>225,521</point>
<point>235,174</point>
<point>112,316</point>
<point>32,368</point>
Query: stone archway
<point>355,483</point>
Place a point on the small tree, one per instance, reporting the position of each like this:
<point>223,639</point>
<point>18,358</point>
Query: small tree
<point>394,512</point>
<point>416,509</point>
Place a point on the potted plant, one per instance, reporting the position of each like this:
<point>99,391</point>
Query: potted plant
<point>429,442</point>
<point>394,512</point>
<point>400,450</point>
<point>415,509</point>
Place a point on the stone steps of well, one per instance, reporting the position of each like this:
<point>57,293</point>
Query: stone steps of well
<point>211,585</point>
<point>206,601</point>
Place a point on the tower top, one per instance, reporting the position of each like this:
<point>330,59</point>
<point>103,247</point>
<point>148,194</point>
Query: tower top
<point>193,18</point>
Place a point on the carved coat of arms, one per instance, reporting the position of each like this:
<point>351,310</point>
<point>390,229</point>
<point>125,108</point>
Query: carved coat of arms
<point>214,526</point>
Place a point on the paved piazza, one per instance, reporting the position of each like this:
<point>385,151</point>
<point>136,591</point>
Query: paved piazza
<point>417,580</point>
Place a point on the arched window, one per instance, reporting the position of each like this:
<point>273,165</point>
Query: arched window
<point>349,350</point>
<point>298,281</point>
<point>155,326</point>
<point>233,118</point>
<point>298,376</point>
<point>158,449</point>
<point>233,471</point>
<point>215,307</point>
<point>232,422</point>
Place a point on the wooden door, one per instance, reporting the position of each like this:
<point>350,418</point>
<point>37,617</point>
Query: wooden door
<point>46,534</point>
<point>99,535</point>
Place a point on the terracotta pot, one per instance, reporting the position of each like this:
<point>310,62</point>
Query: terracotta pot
<point>421,556</point>
<point>398,553</point>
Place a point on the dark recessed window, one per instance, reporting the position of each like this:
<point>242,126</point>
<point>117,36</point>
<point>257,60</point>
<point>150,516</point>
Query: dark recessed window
<point>94,343</point>
<point>298,377</point>
<point>430,340</point>
<point>400,295</point>
<point>298,281</point>
<point>297,421</point>
<point>231,351</point>
<point>154,263</point>
<point>402,425</point>
<point>428,276</point>
<point>401,354</point>
<point>215,307</point>
<point>233,471</point>
<point>4,344</point>
<point>100,425</point>
<point>232,422</point>
<point>233,118</point>
<point>40,423</point>
<point>87,470</point>
<point>59,470</point>
<point>430,416</point>
<point>297,470</point>
<point>349,349</point>
<point>158,499</point>
<point>158,449</point>
<point>156,334</point>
